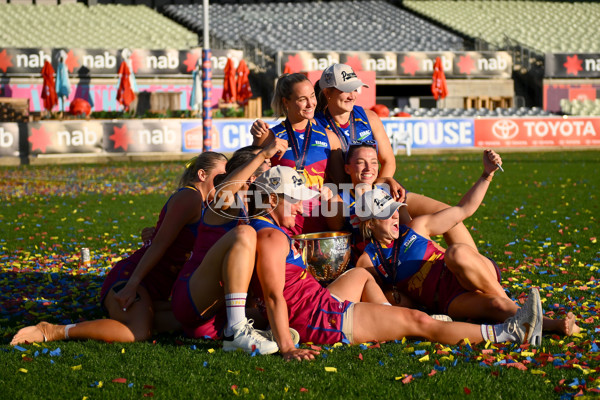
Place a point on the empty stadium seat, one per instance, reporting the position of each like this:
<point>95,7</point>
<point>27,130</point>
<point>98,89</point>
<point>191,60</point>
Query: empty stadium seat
<point>372,25</point>
<point>545,26</point>
<point>584,107</point>
<point>102,26</point>
<point>475,112</point>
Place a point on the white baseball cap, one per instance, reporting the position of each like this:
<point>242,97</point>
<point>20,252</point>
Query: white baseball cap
<point>341,77</point>
<point>286,181</point>
<point>376,203</point>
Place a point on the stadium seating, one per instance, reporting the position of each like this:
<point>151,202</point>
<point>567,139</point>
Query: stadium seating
<point>372,25</point>
<point>473,112</point>
<point>580,107</point>
<point>101,26</point>
<point>545,26</point>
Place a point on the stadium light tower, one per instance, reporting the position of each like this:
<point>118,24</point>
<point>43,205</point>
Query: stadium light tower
<point>206,84</point>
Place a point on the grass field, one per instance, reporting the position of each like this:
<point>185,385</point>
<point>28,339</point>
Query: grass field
<point>539,221</point>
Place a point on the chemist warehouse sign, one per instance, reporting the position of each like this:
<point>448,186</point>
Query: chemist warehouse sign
<point>433,133</point>
<point>227,134</point>
<point>230,134</point>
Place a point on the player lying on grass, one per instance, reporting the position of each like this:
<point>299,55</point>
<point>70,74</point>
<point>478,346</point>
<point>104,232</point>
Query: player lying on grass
<point>403,258</point>
<point>136,291</point>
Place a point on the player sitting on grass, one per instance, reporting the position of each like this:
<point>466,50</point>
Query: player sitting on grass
<point>402,256</point>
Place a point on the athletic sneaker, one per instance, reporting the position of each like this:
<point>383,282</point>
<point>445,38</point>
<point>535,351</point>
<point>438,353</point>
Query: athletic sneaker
<point>268,334</point>
<point>441,317</point>
<point>536,337</point>
<point>247,338</point>
<point>526,324</point>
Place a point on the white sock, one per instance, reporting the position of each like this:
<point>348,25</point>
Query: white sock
<point>235,304</point>
<point>66,330</point>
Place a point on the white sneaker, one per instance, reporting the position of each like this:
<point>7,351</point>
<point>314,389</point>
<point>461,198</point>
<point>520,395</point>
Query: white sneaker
<point>536,337</point>
<point>247,338</point>
<point>526,324</point>
<point>268,334</point>
<point>441,317</point>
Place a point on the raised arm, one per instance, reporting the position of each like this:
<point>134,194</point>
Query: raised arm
<point>237,178</point>
<point>271,251</point>
<point>442,221</point>
<point>260,132</point>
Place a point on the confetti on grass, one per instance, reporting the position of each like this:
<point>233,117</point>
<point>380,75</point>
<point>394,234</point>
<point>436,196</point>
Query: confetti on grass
<point>41,276</point>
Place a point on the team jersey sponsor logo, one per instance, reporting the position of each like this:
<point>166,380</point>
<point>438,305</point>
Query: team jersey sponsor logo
<point>364,134</point>
<point>319,143</point>
<point>409,242</point>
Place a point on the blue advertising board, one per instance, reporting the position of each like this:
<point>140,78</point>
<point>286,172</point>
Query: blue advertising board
<point>434,133</point>
<point>228,135</point>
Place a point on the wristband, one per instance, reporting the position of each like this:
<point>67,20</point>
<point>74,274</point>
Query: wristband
<point>487,176</point>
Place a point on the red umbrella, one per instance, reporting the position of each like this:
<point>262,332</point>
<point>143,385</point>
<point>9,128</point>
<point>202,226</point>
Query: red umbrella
<point>229,83</point>
<point>438,85</point>
<point>124,93</point>
<point>244,93</point>
<point>48,88</point>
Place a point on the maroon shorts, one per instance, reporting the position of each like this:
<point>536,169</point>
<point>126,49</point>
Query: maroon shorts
<point>497,268</point>
<point>193,323</point>
<point>330,322</point>
<point>449,288</point>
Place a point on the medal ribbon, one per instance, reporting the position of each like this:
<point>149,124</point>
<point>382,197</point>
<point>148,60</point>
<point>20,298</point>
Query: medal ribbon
<point>336,129</point>
<point>300,157</point>
<point>389,267</point>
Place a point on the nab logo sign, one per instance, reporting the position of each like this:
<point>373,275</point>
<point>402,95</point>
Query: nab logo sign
<point>6,138</point>
<point>78,138</point>
<point>505,129</point>
<point>169,61</point>
<point>33,60</point>
<point>157,136</point>
<point>100,61</point>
